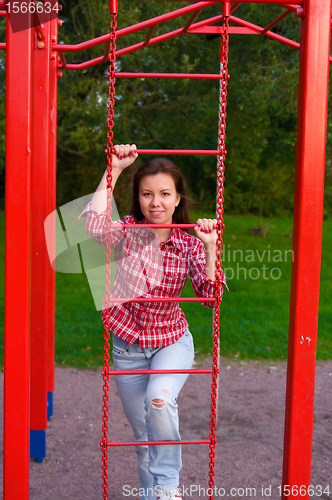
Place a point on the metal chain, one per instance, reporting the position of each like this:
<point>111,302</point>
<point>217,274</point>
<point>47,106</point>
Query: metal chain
<point>220,228</point>
<point>108,222</point>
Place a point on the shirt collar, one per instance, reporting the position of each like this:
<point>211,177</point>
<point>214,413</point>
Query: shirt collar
<point>177,236</point>
<point>143,233</point>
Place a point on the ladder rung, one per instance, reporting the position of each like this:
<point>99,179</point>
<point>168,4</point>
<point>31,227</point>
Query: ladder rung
<point>209,76</point>
<point>144,443</point>
<point>161,299</point>
<point>151,372</point>
<point>178,151</point>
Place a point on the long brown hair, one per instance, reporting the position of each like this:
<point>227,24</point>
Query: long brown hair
<point>164,166</point>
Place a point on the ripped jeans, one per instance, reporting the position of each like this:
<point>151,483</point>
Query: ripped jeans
<point>150,405</point>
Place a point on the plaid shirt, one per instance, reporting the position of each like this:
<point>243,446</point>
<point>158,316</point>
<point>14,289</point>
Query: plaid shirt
<point>147,268</point>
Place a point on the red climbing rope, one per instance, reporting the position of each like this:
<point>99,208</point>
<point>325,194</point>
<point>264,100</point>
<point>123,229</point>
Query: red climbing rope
<point>220,226</point>
<point>108,222</point>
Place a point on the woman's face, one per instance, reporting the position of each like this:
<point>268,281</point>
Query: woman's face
<point>158,198</point>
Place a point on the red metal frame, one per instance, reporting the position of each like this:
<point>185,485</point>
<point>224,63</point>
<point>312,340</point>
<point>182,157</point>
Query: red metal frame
<point>17,264</point>
<point>201,27</point>
<point>204,26</point>
<point>40,206</point>
<point>307,242</point>
<point>52,205</point>
<point>314,59</point>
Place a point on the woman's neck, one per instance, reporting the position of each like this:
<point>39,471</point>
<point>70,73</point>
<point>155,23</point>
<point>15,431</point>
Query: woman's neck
<point>162,234</point>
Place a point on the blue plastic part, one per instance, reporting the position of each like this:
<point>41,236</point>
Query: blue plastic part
<point>38,445</point>
<point>49,405</point>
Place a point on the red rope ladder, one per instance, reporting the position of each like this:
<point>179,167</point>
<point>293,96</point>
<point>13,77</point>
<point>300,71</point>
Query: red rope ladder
<point>220,227</point>
<point>218,284</point>
<point>106,301</point>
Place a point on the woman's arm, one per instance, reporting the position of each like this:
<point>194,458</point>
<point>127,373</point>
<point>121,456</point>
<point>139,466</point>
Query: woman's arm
<point>206,232</point>
<point>124,156</point>
<point>210,267</point>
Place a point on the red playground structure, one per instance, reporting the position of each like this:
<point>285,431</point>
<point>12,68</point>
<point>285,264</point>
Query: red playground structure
<point>34,59</point>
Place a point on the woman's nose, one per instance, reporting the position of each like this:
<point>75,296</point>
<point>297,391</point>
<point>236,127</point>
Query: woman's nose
<point>155,201</point>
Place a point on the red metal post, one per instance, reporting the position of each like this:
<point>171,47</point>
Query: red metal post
<point>39,256</point>
<point>17,264</point>
<point>307,238</point>
<point>226,8</point>
<point>51,208</point>
<point>113,7</point>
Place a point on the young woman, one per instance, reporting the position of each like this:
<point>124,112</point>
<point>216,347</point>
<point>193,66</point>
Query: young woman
<point>154,335</point>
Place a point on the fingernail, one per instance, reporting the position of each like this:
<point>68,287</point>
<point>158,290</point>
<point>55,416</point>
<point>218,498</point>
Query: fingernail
<point>121,157</point>
<point>134,150</point>
<point>210,231</point>
<point>199,225</point>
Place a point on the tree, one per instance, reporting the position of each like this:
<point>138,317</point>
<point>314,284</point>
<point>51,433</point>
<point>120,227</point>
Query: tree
<point>183,114</point>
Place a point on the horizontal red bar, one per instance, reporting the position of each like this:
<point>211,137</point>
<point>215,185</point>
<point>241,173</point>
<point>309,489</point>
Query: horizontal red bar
<point>3,13</point>
<point>164,226</point>
<point>166,299</point>
<point>152,372</point>
<point>135,27</point>
<point>242,1</point>
<point>178,151</point>
<point>233,30</point>
<point>122,74</point>
<point>288,6</point>
<point>144,443</point>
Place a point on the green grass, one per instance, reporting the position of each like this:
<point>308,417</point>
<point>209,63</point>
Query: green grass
<point>254,314</point>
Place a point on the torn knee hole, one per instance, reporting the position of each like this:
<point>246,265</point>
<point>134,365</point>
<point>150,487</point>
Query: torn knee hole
<point>158,403</point>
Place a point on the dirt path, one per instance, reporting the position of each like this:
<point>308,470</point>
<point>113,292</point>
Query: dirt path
<point>250,435</point>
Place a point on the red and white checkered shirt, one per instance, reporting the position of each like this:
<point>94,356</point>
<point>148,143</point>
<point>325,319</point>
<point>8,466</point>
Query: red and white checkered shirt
<point>147,268</point>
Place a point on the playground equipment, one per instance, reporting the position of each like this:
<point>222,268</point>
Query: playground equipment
<point>30,192</point>
<point>106,372</point>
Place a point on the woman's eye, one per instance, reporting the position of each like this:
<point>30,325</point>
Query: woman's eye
<point>166,194</point>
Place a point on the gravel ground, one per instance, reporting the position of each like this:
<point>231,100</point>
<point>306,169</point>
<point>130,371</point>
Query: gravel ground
<point>250,435</point>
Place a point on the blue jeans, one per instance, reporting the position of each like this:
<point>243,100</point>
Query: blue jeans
<point>150,405</point>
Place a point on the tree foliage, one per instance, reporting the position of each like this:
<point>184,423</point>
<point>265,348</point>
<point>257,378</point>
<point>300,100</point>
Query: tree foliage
<point>183,114</point>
